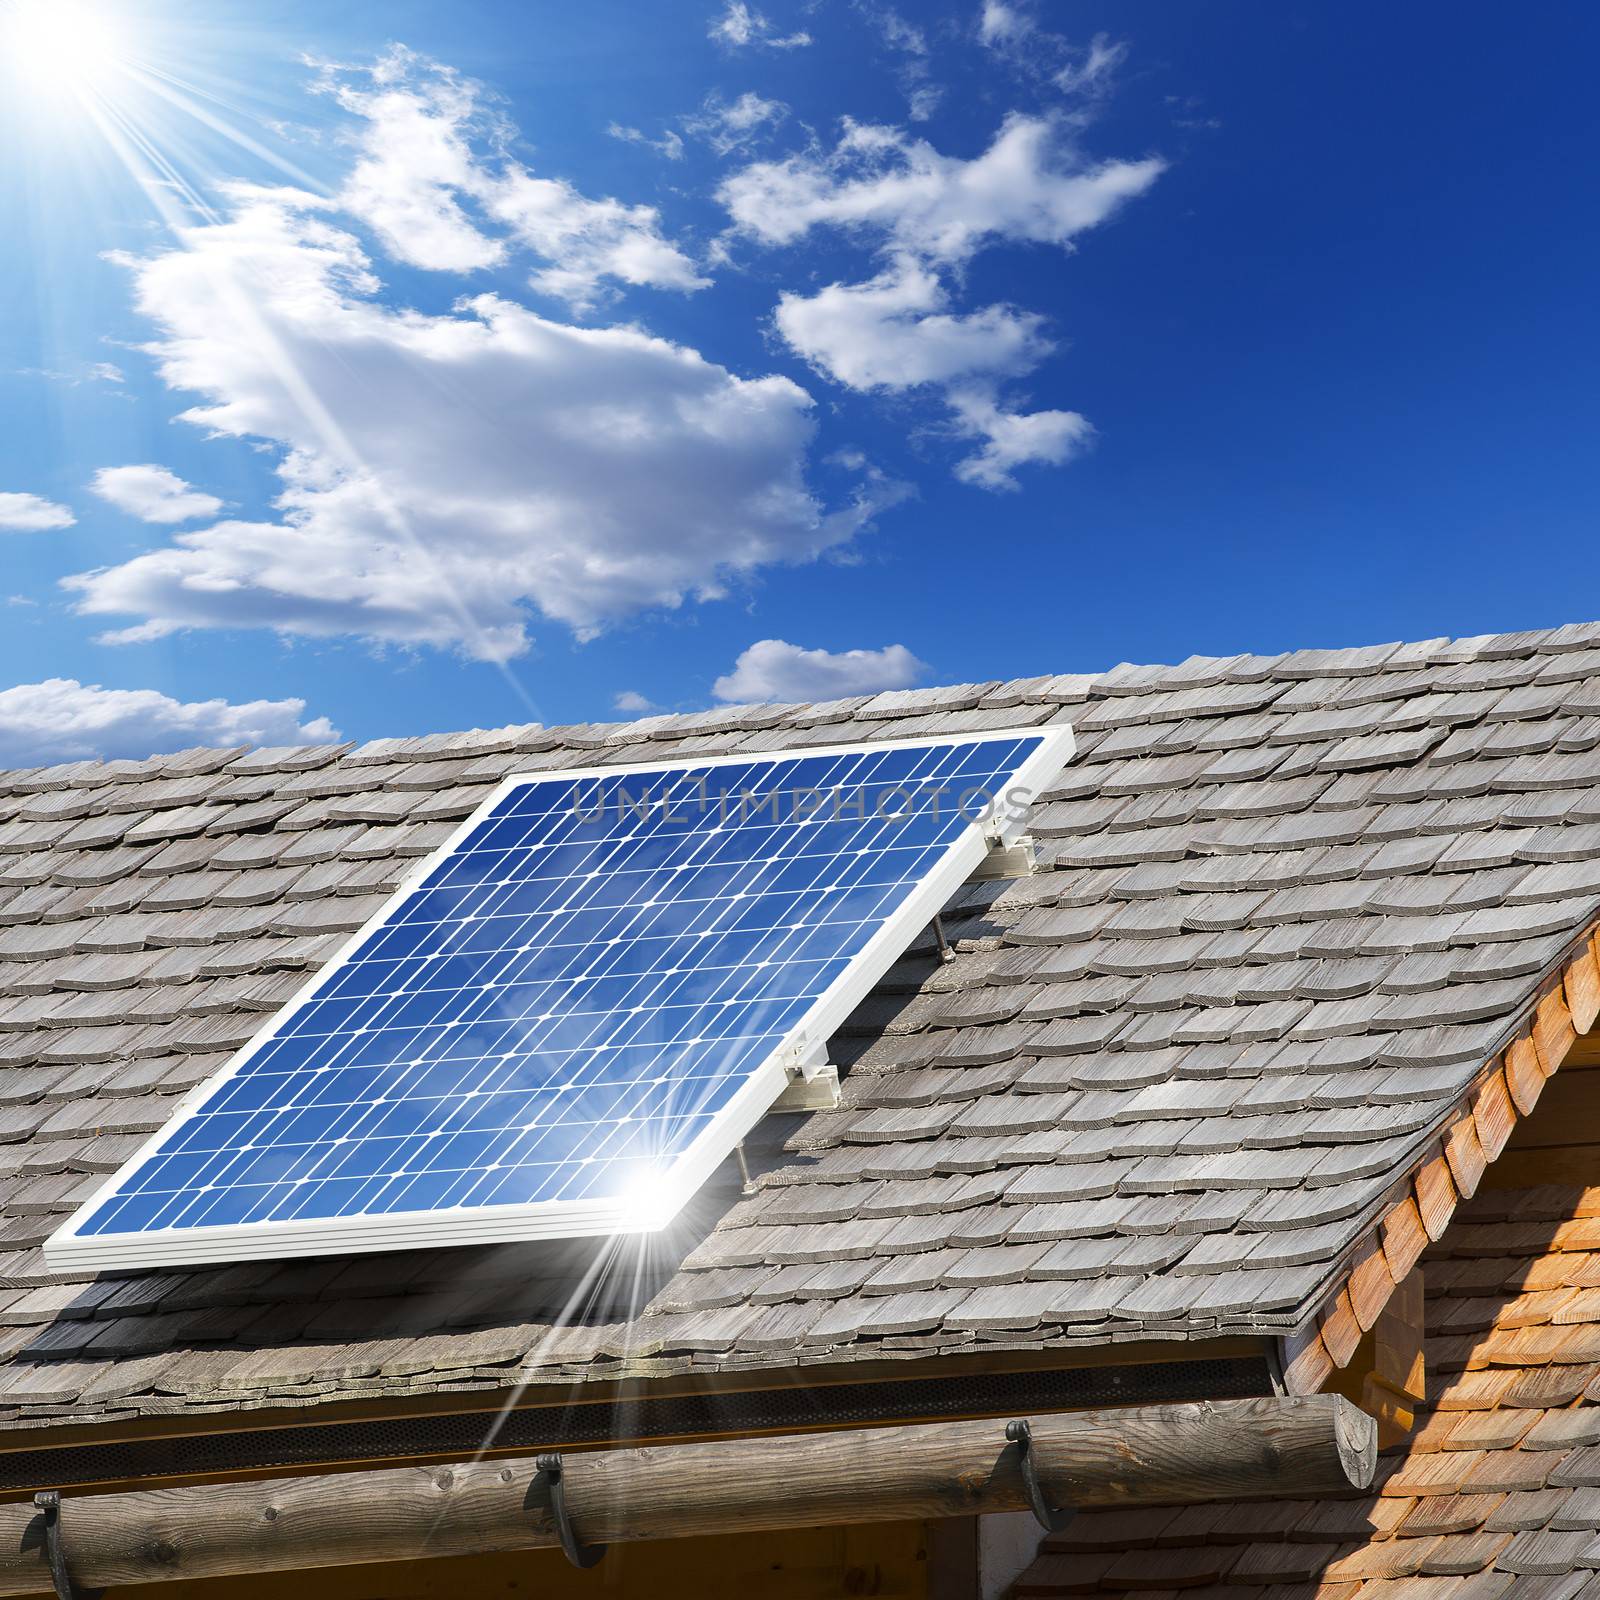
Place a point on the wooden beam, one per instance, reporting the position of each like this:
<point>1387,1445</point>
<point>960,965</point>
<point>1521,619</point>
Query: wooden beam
<point>1179,1454</point>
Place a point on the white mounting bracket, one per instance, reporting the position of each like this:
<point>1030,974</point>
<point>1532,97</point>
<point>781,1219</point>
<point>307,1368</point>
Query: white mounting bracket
<point>1010,856</point>
<point>813,1079</point>
<point>820,1093</point>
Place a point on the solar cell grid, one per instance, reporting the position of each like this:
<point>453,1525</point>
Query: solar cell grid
<point>573,1011</point>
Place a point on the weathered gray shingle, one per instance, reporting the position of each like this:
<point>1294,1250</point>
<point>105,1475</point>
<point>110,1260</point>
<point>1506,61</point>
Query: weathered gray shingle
<point>1287,908</point>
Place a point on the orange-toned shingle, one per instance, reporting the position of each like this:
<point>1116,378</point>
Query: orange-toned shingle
<point>1499,1483</point>
<point>1436,1195</point>
<point>1494,1114</point>
<point>1404,1238</point>
<point>1444,1472</point>
<point>1525,1074</point>
<point>1387,1558</point>
<point>1341,1332</point>
<point>1465,1154</point>
<point>1553,1032</point>
<point>1449,1513</point>
<point>1581,981</point>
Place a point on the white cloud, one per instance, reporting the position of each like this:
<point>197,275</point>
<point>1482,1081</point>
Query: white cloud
<point>1013,439</point>
<point>670,144</point>
<point>1029,186</point>
<point>444,475</point>
<point>930,214</point>
<point>731,125</point>
<point>741,26</point>
<point>634,703</point>
<point>910,42</point>
<point>64,720</point>
<point>897,32</point>
<point>416,163</point>
<point>1089,71</point>
<point>435,201</point>
<point>153,494</point>
<point>95,372</point>
<point>773,669</point>
<point>896,332</point>
<point>1001,24</point>
<point>588,240</point>
<point>31,513</point>
<point>1011,31</point>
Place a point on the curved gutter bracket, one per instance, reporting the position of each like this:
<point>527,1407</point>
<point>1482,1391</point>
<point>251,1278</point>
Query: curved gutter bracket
<point>580,1555</point>
<point>1051,1520</point>
<point>48,1502</point>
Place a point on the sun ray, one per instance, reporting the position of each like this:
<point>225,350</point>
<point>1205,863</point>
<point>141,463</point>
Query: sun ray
<point>100,66</point>
<point>186,98</point>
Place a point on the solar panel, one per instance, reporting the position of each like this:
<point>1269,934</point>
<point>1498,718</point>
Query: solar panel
<point>573,1011</point>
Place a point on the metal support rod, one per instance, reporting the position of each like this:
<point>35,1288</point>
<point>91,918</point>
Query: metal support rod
<point>745,1185</point>
<point>945,952</point>
<point>48,1502</point>
<point>580,1555</point>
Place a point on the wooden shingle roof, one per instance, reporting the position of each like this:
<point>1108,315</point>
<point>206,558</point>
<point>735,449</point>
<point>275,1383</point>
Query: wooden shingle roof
<point>1289,909</point>
<point>1496,1495</point>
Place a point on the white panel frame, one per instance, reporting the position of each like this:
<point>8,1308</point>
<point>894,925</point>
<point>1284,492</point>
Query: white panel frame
<point>70,1250</point>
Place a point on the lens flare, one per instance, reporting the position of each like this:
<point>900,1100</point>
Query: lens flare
<point>57,48</point>
<point>651,1201</point>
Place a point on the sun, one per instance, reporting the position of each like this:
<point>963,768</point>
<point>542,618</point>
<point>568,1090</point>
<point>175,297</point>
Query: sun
<point>99,90</point>
<point>62,47</point>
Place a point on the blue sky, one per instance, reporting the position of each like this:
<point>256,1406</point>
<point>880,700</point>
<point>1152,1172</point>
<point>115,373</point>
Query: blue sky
<point>405,367</point>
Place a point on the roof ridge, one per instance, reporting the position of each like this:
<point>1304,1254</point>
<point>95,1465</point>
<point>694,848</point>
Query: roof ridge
<point>1124,679</point>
